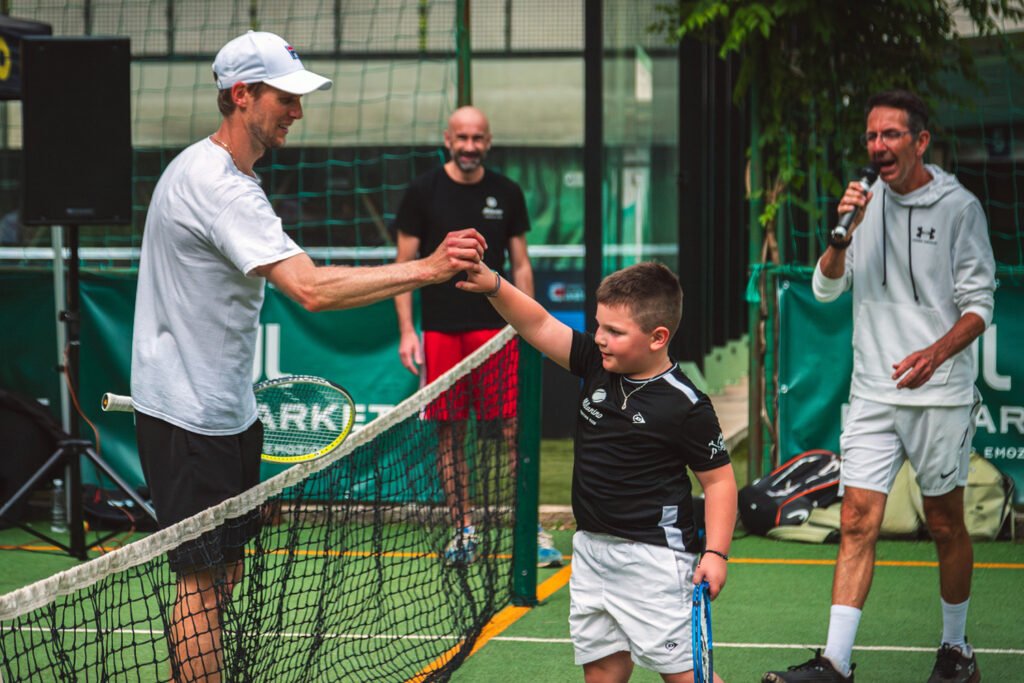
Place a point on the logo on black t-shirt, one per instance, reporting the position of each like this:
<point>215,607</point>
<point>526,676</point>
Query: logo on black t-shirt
<point>588,411</point>
<point>717,446</point>
<point>491,210</point>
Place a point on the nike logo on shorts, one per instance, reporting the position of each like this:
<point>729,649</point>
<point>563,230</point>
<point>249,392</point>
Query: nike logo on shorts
<point>946,475</point>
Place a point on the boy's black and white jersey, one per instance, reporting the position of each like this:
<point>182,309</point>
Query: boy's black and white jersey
<point>629,472</point>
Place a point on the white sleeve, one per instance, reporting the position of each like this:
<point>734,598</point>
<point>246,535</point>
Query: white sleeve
<point>973,265</point>
<point>827,289</point>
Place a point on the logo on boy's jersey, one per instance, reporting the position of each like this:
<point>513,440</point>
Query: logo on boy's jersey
<point>638,419</point>
<point>590,413</point>
<point>492,210</point>
<point>717,446</point>
<point>599,395</point>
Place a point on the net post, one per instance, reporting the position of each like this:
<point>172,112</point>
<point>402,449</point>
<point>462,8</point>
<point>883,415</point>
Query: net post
<point>524,553</point>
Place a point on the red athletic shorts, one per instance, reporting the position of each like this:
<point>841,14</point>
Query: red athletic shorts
<point>491,389</point>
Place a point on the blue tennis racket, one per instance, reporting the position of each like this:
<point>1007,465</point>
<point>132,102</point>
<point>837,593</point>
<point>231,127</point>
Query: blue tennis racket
<point>703,646</point>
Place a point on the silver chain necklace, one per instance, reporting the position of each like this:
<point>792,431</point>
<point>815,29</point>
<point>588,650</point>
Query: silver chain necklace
<point>625,396</point>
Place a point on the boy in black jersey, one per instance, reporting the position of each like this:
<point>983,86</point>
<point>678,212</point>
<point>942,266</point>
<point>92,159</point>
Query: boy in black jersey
<point>641,423</point>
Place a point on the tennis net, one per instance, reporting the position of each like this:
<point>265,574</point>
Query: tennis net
<point>346,577</point>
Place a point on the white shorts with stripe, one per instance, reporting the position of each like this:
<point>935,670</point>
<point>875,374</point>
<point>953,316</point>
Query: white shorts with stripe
<point>878,436</point>
<point>632,597</point>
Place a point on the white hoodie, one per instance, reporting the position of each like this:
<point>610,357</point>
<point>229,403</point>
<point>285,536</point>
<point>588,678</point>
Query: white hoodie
<point>921,260</point>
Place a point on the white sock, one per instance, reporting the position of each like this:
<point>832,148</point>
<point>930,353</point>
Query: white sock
<point>842,630</point>
<point>954,623</point>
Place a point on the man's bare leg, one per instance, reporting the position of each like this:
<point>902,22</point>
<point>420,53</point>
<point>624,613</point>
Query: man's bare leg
<point>195,623</point>
<point>454,472</point>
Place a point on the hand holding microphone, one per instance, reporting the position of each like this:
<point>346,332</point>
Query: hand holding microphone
<point>868,175</point>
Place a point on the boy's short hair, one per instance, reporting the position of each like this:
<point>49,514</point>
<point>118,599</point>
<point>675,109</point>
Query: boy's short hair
<point>649,290</point>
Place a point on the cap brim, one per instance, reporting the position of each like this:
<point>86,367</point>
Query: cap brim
<point>300,82</point>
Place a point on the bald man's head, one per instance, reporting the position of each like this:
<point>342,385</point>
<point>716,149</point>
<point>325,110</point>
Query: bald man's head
<point>469,115</point>
<point>468,139</point>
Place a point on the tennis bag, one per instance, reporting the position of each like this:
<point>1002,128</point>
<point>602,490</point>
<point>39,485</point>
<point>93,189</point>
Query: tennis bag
<point>789,493</point>
<point>988,499</point>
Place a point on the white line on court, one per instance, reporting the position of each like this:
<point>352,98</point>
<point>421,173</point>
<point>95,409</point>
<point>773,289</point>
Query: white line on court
<point>784,646</point>
<point>551,641</point>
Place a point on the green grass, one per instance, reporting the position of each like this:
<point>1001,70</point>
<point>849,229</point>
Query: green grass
<point>764,618</point>
<point>768,613</point>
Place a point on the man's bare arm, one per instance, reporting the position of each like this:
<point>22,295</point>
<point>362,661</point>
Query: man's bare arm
<point>320,288</point>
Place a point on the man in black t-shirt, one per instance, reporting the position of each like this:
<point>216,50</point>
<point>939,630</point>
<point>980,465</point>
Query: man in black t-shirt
<point>464,193</point>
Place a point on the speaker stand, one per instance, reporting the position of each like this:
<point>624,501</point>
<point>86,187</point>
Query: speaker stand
<point>71,451</point>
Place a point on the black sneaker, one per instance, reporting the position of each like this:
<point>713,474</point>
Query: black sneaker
<point>951,666</point>
<point>817,670</point>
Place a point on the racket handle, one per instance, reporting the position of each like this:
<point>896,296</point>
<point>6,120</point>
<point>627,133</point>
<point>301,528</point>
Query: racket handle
<point>117,403</point>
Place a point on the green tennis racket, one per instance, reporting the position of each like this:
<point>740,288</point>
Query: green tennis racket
<point>304,417</point>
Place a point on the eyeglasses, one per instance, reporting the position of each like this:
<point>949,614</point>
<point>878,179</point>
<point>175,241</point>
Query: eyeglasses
<point>888,136</point>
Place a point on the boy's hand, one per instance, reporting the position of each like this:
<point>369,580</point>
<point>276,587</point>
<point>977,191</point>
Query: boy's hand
<point>461,250</point>
<point>712,569</point>
<point>479,280</point>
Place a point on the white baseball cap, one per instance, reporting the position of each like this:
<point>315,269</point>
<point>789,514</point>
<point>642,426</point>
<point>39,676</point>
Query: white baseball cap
<point>260,56</point>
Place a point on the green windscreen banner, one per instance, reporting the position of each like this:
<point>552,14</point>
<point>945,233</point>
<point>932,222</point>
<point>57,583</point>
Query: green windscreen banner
<point>816,359</point>
<point>357,349</point>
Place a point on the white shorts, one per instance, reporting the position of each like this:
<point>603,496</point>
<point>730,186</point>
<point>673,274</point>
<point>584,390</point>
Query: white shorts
<point>878,436</point>
<point>632,597</point>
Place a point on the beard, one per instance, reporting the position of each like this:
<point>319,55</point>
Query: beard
<point>468,162</point>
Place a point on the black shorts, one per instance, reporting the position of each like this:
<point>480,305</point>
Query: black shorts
<point>188,473</point>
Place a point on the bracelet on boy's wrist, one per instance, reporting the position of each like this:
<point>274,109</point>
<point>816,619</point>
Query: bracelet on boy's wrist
<point>497,285</point>
<point>715,552</point>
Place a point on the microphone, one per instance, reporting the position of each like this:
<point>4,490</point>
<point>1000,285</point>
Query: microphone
<point>868,175</point>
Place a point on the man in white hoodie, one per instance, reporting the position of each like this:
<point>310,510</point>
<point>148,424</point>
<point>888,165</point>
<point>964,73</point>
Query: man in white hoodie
<point>925,279</point>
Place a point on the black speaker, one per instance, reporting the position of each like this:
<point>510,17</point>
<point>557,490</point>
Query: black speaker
<point>76,131</point>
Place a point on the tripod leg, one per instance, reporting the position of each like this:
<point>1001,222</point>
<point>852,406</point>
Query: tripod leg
<point>121,483</point>
<point>75,513</point>
<point>27,487</point>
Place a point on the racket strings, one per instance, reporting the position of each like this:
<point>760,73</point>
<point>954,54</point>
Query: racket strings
<point>303,417</point>
<point>703,646</point>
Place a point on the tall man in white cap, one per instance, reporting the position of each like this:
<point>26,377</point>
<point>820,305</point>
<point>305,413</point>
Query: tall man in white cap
<point>211,242</point>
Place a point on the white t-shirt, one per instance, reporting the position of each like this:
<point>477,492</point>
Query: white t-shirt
<point>197,311</point>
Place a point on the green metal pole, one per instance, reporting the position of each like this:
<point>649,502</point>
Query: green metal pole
<point>755,432</point>
<point>812,198</point>
<point>463,53</point>
<point>524,539</point>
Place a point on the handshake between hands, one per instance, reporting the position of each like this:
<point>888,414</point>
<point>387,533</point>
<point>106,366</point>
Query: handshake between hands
<point>463,251</point>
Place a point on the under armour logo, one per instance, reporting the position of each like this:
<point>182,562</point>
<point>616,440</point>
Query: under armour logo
<point>921,233</point>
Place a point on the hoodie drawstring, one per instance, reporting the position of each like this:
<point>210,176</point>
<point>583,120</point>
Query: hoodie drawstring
<point>885,268</point>
<point>910,250</point>
<point>910,245</point>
